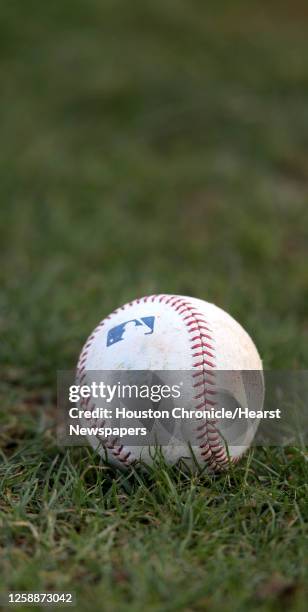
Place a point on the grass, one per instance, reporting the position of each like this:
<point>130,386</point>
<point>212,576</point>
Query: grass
<point>149,148</point>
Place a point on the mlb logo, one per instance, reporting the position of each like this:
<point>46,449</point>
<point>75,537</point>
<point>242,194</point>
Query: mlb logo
<point>116,334</point>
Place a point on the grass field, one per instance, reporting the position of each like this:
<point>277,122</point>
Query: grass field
<point>149,147</point>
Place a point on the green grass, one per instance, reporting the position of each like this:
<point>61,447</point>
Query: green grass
<point>149,147</point>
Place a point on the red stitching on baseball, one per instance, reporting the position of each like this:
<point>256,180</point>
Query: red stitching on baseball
<point>212,451</point>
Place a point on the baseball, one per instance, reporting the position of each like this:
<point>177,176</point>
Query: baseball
<point>178,333</point>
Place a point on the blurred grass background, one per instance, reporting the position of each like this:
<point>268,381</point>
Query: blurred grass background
<point>148,147</point>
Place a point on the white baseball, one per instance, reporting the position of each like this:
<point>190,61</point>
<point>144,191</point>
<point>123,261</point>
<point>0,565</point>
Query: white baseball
<point>172,332</point>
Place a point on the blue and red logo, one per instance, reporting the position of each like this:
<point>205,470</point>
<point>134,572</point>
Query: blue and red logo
<point>116,334</point>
